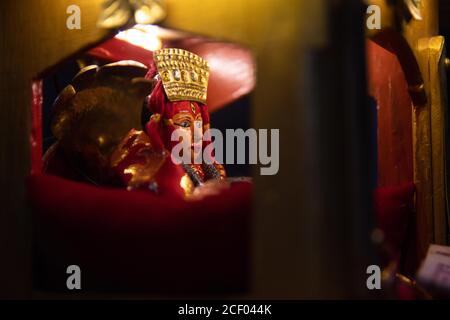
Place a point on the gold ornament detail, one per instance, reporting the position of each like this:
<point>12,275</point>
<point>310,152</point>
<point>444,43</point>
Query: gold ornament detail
<point>184,74</point>
<point>119,13</point>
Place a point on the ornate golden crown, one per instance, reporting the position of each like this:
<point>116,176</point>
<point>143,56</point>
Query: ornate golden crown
<point>184,74</point>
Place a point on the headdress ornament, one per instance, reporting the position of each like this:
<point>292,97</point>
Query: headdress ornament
<point>184,74</point>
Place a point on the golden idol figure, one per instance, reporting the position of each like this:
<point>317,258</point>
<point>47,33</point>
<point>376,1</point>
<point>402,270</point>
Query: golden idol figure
<point>97,120</point>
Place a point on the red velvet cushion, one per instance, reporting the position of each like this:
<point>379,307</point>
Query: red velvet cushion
<point>394,207</point>
<point>139,241</point>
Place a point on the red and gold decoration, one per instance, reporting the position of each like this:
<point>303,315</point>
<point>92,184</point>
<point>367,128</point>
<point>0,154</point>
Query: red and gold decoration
<point>97,120</point>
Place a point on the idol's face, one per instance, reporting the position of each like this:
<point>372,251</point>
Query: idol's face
<point>187,116</point>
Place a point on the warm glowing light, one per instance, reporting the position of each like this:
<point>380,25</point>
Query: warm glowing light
<point>187,185</point>
<point>142,36</point>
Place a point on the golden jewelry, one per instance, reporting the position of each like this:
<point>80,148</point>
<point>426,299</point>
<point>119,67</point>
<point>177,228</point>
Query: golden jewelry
<point>184,74</point>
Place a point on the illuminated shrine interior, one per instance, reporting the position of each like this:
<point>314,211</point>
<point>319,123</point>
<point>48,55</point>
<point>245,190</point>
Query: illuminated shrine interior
<point>232,75</point>
<point>321,129</point>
